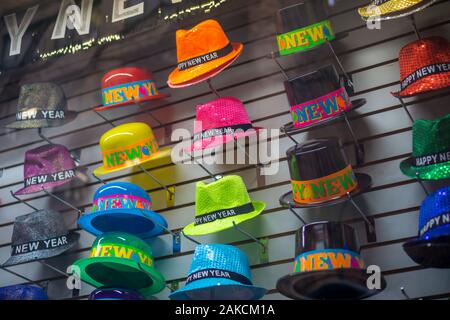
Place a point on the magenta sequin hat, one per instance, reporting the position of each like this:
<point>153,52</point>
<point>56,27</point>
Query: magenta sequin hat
<point>219,122</point>
<point>47,167</point>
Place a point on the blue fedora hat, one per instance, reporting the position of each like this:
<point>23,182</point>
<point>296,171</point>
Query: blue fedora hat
<point>219,272</point>
<point>122,207</point>
<point>115,294</point>
<point>431,247</point>
<point>22,292</point>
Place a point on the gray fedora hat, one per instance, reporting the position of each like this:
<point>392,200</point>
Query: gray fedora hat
<point>41,105</point>
<point>39,235</point>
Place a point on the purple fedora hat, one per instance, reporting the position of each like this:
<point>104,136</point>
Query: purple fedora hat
<point>47,167</point>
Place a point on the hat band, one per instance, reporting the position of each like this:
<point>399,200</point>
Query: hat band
<point>122,252</point>
<point>305,38</point>
<point>424,72</point>
<point>49,178</point>
<point>320,109</point>
<point>129,92</point>
<point>210,56</point>
<point>39,245</point>
<point>130,155</point>
<point>324,189</point>
<point>40,114</point>
<point>224,213</point>
<point>328,259</point>
<point>121,201</point>
<point>431,159</point>
<point>216,132</point>
<point>218,273</point>
<point>435,222</point>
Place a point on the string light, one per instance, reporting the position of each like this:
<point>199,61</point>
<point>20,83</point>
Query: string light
<point>205,7</point>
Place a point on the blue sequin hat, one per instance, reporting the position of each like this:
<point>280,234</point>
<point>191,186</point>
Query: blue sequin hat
<point>219,272</point>
<point>432,246</point>
<point>123,207</point>
<point>22,292</point>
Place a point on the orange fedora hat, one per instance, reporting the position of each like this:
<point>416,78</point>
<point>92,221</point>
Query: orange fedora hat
<point>201,52</point>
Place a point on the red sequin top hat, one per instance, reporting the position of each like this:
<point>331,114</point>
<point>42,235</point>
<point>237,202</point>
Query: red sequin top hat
<point>424,66</point>
<point>219,122</point>
<point>126,86</point>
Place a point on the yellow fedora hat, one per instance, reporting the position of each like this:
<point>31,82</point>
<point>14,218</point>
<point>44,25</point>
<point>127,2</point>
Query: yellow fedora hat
<point>390,9</point>
<point>127,146</point>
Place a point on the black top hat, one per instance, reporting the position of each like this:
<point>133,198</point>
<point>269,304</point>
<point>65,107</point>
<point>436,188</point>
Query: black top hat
<point>340,274</point>
<point>41,105</point>
<point>300,15</point>
<point>39,235</point>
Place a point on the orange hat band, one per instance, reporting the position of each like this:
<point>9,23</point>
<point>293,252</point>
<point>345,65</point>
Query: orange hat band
<point>423,72</point>
<point>130,155</point>
<point>211,56</point>
<point>326,188</point>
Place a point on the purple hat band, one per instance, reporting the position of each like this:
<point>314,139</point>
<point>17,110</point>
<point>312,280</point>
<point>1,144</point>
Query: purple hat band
<point>47,167</point>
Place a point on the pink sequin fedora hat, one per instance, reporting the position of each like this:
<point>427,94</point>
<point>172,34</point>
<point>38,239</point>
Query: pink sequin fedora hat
<point>219,122</point>
<point>47,167</point>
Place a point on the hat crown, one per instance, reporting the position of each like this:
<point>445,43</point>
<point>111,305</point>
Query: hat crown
<point>225,193</point>
<point>126,135</point>
<point>121,238</point>
<point>45,96</point>
<point>222,112</point>
<point>47,159</point>
<point>222,257</point>
<point>431,136</point>
<point>300,15</point>
<point>206,37</point>
<point>39,225</point>
<point>434,205</point>
<point>121,188</point>
<point>125,75</point>
<point>422,53</point>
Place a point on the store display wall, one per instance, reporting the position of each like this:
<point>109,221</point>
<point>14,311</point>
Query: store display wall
<point>370,56</point>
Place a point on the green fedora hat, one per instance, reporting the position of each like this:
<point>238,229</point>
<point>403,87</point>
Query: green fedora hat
<point>121,260</point>
<point>220,204</point>
<point>431,150</point>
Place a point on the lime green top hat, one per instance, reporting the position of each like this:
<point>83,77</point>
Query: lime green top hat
<point>431,150</point>
<point>219,204</point>
<point>121,260</point>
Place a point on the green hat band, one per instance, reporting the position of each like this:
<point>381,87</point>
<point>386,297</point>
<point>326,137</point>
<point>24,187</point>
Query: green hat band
<point>122,252</point>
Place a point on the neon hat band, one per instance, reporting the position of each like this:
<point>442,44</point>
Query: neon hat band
<point>216,132</point>
<point>130,155</point>
<point>210,56</point>
<point>319,109</point>
<point>305,38</point>
<point>48,178</point>
<point>223,214</point>
<point>329,259</point>
<point>39,245</point>
<point>40,114</point>
<point>436,158</point>
<point>121,201</point>
<point>435,222</point>
<point>122,252</point>
<point>129,92</point>
<point>326,188</point>
<point>423,72</point>
<point>218,273</point>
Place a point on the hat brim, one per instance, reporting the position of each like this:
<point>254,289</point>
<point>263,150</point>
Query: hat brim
<point>218,289</point>
<point>356,104</point>
<point>431,172</point>
<point>223,224</point>
<point>387,15</point>
<point>79,174</point>
<point>121,273</point>
<point>161,154</point>
<point>338,284</point>
<point>72,239</point>
<point>214,142</point>
<point>43,123</point>
<point>204,71</point>
<point>423,86</point>
<point>142,223</point>
<point>431,253</point>
<point>142,100</point>
<point>364,183</point>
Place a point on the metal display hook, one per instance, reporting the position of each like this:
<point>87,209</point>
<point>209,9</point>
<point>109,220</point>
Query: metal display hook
<point>414,25</point>
<point>363,215</point>
<point>422,184</point>
<point>341,66</point>
<point>406,109</point>
<point>98,178</point>
<point>215,178</point>
<point>275,59</point>
<point>22,277</point>
<point>249,236</point>
<point>22,201</point>
<point>359,148</point>
<point>41,135</point>
<point>66,203</point>
<point>296,214</point>
<point>211,87</point>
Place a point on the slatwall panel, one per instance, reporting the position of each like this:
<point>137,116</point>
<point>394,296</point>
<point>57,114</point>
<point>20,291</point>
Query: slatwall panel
<point>369,56</point>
